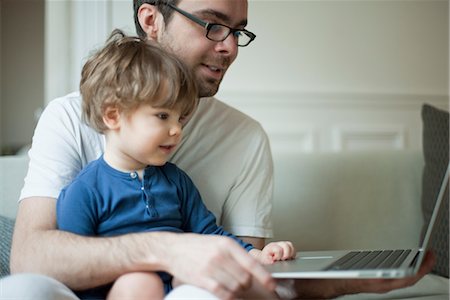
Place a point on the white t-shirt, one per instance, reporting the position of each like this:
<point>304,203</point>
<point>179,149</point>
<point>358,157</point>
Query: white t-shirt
<point>225,152</point>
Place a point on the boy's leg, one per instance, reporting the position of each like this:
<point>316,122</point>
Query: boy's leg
<point>34,286</point>
<point>137,285</point>
<point>189,292</point>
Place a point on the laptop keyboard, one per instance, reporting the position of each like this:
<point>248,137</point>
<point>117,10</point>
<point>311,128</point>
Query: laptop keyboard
<point>362,260</point>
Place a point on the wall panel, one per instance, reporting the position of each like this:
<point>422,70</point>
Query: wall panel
<point>326,75</point>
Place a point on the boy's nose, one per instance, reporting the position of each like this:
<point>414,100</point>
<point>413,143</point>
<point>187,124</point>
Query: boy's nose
<point>175,130</point>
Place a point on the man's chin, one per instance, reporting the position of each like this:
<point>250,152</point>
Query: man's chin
<point>208,89</point>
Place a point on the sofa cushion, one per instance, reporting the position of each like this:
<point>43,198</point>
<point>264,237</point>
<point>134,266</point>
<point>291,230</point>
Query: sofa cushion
<point>13,169</point>
<point>333,201</point>
<point>6,230</point>
<point>436,156</point>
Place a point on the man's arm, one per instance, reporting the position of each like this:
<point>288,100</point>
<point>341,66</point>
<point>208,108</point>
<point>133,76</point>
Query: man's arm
<point>332,288</point>
<point>221,266</point>
<point>79,262</point>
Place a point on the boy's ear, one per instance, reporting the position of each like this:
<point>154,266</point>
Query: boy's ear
<point>111,117</point>
<point>150,20</point>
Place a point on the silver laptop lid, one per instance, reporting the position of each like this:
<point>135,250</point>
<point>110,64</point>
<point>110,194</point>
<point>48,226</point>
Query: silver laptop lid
<point>437,207</point>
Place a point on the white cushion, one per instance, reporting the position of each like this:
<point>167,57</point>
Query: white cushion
<point>348,200</point>
<point>12,173</point>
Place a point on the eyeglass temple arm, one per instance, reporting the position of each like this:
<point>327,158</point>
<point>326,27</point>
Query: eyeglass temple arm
<point>189,16</point>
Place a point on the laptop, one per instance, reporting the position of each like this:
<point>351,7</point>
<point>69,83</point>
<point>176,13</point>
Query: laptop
<point>383,263</point>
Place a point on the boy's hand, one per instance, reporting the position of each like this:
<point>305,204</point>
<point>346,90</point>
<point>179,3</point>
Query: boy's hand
<point>274,251</point>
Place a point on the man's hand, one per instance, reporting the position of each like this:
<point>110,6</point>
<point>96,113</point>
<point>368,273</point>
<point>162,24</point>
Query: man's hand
<point>331,288</point>
<point>215,263</point>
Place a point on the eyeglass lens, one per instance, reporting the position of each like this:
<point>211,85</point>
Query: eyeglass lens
<point>218,32</point>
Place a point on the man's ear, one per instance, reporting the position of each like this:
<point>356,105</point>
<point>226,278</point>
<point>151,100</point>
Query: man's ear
<point>150,20</point>
<point>111,117</point>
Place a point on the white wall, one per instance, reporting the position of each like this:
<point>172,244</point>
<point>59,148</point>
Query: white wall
<point>342,75</point>
<point>73,30</point>
<point>346,46</point>
<point>321,75</point>
<point>21,69</point>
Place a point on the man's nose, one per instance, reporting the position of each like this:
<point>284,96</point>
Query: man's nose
<point>228,45</point>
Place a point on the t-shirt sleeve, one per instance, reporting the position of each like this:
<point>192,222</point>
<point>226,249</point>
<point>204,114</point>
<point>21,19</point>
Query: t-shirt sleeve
<point>250,198</point>
<point>54,154</point>
<point>76,210</point>
<point>196,217</point>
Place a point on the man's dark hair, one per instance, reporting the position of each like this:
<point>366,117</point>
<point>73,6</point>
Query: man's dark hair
<point>163,8</point>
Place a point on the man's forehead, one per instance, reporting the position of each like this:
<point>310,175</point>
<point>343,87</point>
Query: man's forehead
<point>231,11</point>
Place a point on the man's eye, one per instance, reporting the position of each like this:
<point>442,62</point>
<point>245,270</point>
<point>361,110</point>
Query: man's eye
<point>238,34</point>
<point>216,28</point>
<point>163,116</point>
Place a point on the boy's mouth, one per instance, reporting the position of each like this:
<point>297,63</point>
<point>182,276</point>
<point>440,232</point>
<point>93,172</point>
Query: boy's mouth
<point>167,148</point>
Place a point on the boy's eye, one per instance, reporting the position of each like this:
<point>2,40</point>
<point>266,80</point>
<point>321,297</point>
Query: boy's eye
<point>163,116</point>
<point>183,119</point>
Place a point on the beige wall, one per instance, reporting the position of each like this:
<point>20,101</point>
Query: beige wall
<point>328,62</point>
<point>364,46</point>
<point>22,70</point>
<point>332,46</point>
<point>340,75</point>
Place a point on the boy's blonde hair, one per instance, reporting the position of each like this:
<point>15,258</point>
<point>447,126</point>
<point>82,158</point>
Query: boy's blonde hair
<point>130,71</point>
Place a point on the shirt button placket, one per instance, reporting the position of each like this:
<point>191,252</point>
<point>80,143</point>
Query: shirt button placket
<point>148,201</point>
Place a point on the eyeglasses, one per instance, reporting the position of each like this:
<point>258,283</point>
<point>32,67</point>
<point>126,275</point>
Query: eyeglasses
<point>219,32</point>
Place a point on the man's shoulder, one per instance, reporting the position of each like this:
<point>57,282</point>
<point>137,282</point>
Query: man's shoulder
<point>215,111</point>
<point>65,113</point>
<point>69,102</point>
<point>63,109</point>
<point>216,106</point>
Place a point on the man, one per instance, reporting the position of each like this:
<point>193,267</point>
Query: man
<point>225,152</point>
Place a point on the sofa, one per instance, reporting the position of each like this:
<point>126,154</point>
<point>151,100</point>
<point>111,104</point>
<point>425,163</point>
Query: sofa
<point>321,201</point>
<point>360,200</point>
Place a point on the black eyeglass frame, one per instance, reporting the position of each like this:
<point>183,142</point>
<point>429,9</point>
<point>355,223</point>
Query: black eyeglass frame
<point>208,26</point>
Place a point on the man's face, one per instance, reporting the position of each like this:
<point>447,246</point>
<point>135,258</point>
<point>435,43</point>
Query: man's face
<point>208,59</point>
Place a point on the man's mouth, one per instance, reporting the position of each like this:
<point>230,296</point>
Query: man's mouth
<point>215,70</point>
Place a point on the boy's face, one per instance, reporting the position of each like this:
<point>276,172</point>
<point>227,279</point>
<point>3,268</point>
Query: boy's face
<point>147,136</point>
<point>208,59</point>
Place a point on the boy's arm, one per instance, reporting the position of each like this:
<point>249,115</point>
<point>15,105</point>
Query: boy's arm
<point>274,251</point>
<point>77,209</point>
<point>258,243</point>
